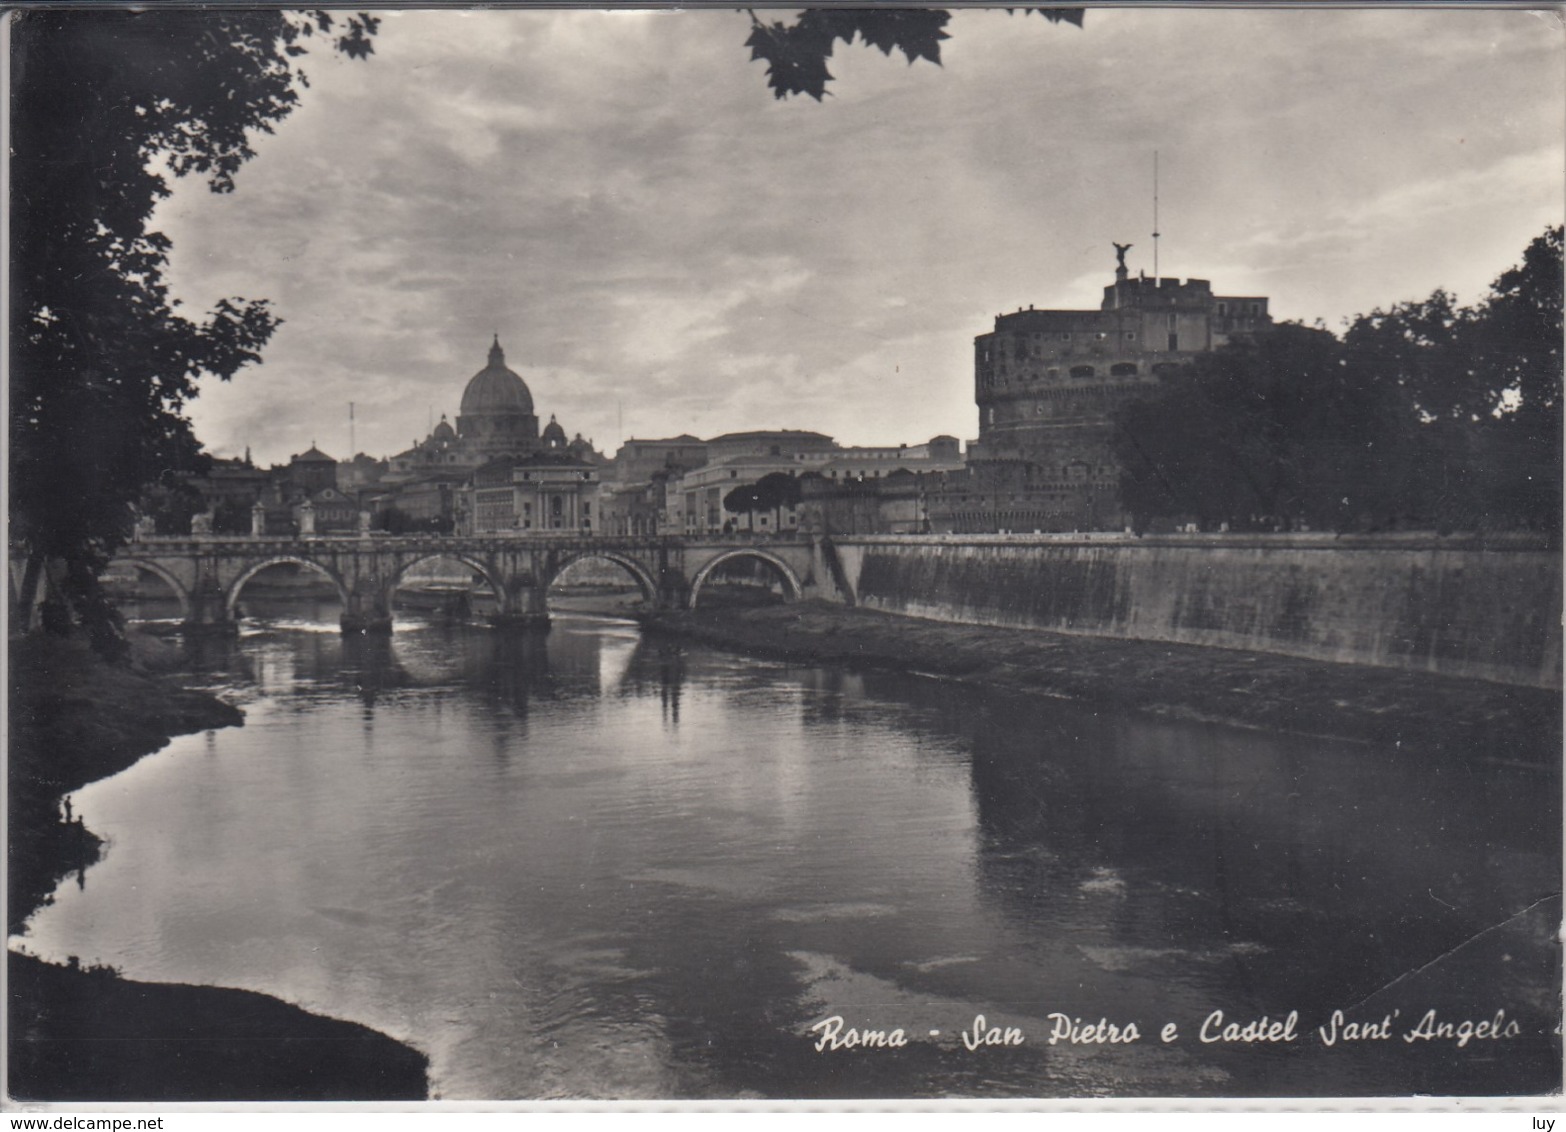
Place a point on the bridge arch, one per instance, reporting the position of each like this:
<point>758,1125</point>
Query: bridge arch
<point>255,568</point>
<point>477,565</point>
<point>168,576</point>
<point>792,587</point>
<point>644,580</point>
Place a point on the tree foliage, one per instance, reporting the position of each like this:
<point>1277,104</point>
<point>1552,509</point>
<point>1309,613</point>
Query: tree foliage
<point>393,520</point>
<point>796,54</point>
<point>231,517</point>
<point>772,492</point>
<point>1270,431</point>
<point>743,500</point>
<point>1427,414</point>
<point>775,491</point>
<point>172,505</point>
<point>106,106</point>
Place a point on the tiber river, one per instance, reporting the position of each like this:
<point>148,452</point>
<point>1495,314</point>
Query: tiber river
<point>597,865</point>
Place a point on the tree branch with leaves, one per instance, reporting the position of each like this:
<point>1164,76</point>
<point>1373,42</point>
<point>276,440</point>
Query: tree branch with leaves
<point>796,53</point>
<point>106,106</point>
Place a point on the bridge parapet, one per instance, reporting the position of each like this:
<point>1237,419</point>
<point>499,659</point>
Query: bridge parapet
<point>208,572</point>
<point>247,544</point>
<point>162,543</point>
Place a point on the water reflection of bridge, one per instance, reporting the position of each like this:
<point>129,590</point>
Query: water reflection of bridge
<point>208,573</point>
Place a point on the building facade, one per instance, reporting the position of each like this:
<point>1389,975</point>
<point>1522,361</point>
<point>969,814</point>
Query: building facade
<point>868,490</point>
<point>543,492</point>
<point>637,460</point>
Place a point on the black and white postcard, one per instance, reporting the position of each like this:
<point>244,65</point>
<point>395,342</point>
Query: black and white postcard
<point>778,554</point>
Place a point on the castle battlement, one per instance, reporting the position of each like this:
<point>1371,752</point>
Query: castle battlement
<point>1047,382</point>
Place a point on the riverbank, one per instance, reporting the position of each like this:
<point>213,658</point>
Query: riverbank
<point>89,1035</point>
<point>1378,706</point>
<point>74,720</point>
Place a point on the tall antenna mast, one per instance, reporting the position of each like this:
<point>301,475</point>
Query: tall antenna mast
<point>1156,281</point>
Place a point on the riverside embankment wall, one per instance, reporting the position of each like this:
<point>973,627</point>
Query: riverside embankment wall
<point>1488,608</point>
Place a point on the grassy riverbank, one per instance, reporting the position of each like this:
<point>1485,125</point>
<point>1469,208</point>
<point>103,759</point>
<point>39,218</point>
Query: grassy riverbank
<point>1379,706</point>
<point>79,1035</point>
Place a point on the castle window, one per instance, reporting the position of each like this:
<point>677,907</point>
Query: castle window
<point>1256,308</point>
<point>1223,308</point>
<point>1065,336</point>
<point>1130,335</point>
<point>1082,371</point>
<point>1123,369</point>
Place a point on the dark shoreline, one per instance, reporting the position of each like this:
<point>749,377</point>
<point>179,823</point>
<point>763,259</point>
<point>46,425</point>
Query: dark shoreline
<point>1380,707</point>
<point>86,1034</point>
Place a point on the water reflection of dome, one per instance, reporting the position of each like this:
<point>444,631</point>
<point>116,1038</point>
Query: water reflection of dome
<point>496,389</point>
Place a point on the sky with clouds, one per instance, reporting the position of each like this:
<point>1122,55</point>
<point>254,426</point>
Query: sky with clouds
<point>657,240</point>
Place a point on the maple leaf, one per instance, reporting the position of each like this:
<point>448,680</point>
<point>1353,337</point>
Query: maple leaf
<point>916,31</point>
<point>797,53</point>
<point>796,57</point>
<point>1055,15</point>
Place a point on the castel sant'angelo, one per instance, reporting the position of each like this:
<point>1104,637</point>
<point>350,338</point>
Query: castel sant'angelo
<point>1046,382</point>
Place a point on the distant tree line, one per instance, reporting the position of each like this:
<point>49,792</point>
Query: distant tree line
<point>1424,416</point>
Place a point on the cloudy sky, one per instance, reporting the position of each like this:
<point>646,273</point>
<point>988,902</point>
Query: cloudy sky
<point>619,196</point>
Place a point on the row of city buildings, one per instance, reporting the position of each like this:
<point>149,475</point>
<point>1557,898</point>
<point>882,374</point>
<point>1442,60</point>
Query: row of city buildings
<point>1045,383</point>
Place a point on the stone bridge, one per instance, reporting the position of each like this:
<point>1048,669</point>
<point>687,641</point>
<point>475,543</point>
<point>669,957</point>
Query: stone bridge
<point>208,572</point>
